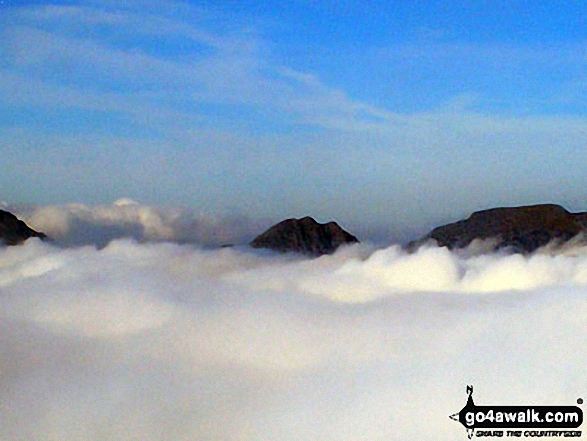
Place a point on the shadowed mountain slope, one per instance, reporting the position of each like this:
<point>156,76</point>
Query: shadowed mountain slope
<point>524,229</point>
<point>305,236</point>
<point>14,231</point>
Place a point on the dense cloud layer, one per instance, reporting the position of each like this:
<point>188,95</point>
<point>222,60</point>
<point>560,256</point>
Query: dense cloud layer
<point>79,224</point>
<point>160,341</point>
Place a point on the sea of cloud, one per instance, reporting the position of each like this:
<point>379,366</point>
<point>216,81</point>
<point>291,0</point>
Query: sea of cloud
<point>139,340</point>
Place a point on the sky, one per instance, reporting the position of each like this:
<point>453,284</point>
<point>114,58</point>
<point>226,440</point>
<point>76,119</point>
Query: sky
<point>388,117</point>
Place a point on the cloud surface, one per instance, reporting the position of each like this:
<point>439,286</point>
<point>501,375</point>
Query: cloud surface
<point>154,341</point>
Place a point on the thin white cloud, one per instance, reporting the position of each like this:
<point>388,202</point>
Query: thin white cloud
<point>232,69</point>
<point>231,110</point>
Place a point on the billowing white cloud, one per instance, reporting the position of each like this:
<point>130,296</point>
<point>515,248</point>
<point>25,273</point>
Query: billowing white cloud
<point>80,224</point>
<point>159,341</point>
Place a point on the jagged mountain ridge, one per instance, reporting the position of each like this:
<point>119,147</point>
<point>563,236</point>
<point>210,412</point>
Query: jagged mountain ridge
<point>524,229</point>
<point>304,235</point>
<point>13,231</point>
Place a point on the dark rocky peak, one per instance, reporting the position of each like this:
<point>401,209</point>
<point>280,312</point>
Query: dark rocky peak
<point>305,236</point>
<point>524,229</point>
<point>14,231</point>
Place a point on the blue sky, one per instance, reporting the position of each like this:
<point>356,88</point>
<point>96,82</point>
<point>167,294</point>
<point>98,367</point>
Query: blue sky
<point>389,117</point>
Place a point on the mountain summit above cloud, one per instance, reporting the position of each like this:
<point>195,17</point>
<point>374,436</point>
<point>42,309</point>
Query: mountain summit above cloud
<point>14,231</point>
<point>304,235</point>
<point>524,228</point>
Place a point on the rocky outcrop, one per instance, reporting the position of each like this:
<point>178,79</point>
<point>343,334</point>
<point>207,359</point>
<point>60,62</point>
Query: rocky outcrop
<point>304,236</point>
<point>14,231</point>
<point>524,229</point>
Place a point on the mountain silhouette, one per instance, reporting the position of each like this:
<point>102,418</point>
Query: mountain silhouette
<point>304,236</point>
<point>524,228</point>
<point>14,231</point>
